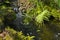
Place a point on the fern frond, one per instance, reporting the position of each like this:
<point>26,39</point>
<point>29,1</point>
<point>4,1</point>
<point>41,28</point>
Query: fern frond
<point>43,16</point>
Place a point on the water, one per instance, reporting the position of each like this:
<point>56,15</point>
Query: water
<point>19,18</point>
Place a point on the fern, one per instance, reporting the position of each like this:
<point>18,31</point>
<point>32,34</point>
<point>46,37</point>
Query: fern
<point>43,16</point>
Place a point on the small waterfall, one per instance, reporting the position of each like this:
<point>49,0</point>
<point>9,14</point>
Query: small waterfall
<point>19,18</point>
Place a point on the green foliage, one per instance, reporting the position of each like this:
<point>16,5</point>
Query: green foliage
<point>14,35</point>
<point>57,2</point>
<point>41,11</point>
<point>43,16</point>
<point>6,10</point>
<point>6,13</point>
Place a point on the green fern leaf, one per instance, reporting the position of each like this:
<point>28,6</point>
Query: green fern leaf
<point>42,16</point>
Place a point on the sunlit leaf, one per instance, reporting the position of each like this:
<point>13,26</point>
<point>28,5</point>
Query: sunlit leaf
<point>3,7</point>
<point>41,16</point>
